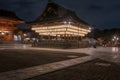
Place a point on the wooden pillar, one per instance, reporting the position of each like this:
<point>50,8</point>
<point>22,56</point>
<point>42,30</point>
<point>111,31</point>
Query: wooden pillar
<point>51,41</point>
<point>65,40</point>
<point>56,40</point>
<point>77,41</point>
<point>41,37</point>
<point>48,40</point>
<point>69,40</point>
<point>74,40</point>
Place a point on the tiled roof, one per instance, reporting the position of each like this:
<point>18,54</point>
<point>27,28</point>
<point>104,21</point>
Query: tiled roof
<point>55,12</point>
<point>8,14</point>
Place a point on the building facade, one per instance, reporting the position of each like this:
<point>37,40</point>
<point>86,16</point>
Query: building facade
<point>59,26</point>
<point>8,25</point>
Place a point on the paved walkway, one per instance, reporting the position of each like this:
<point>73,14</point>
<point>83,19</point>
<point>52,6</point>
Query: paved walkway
<point>22,74</point>
<point>111,54</point>
<point>96,69</point>
<point>106,53</point>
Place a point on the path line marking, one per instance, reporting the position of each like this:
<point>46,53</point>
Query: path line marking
<point>21,74</point>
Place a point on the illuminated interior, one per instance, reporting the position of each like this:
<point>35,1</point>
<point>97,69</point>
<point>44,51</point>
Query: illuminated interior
<point>7,28</point>
<point>61,30</point>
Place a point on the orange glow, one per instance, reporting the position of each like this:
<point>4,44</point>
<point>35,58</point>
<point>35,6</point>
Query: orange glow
<point>8,26</point>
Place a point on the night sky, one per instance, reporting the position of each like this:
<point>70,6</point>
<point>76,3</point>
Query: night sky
<point>103,14</point>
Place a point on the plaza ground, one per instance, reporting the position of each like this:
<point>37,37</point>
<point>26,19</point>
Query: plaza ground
<point>11,59</point>
<point>92,70</point>
<point>101,63</point>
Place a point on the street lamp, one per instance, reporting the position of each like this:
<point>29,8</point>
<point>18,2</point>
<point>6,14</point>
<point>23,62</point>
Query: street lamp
<point>92,31</point>
<point>90,28</point>
<point>2,33</point>
<point>115,39</point>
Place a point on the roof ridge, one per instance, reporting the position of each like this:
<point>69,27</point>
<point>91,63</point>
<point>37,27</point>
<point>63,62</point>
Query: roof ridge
<point>9,14</point>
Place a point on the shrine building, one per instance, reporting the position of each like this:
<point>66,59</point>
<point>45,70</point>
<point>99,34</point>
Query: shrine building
<point>8,25</point>
<point>59,27</point>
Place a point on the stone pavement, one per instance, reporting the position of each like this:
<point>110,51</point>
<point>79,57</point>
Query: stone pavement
<point>96,69</point>
<point>109,54</point>
<point>21,74</point>
<point>12,59</point>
